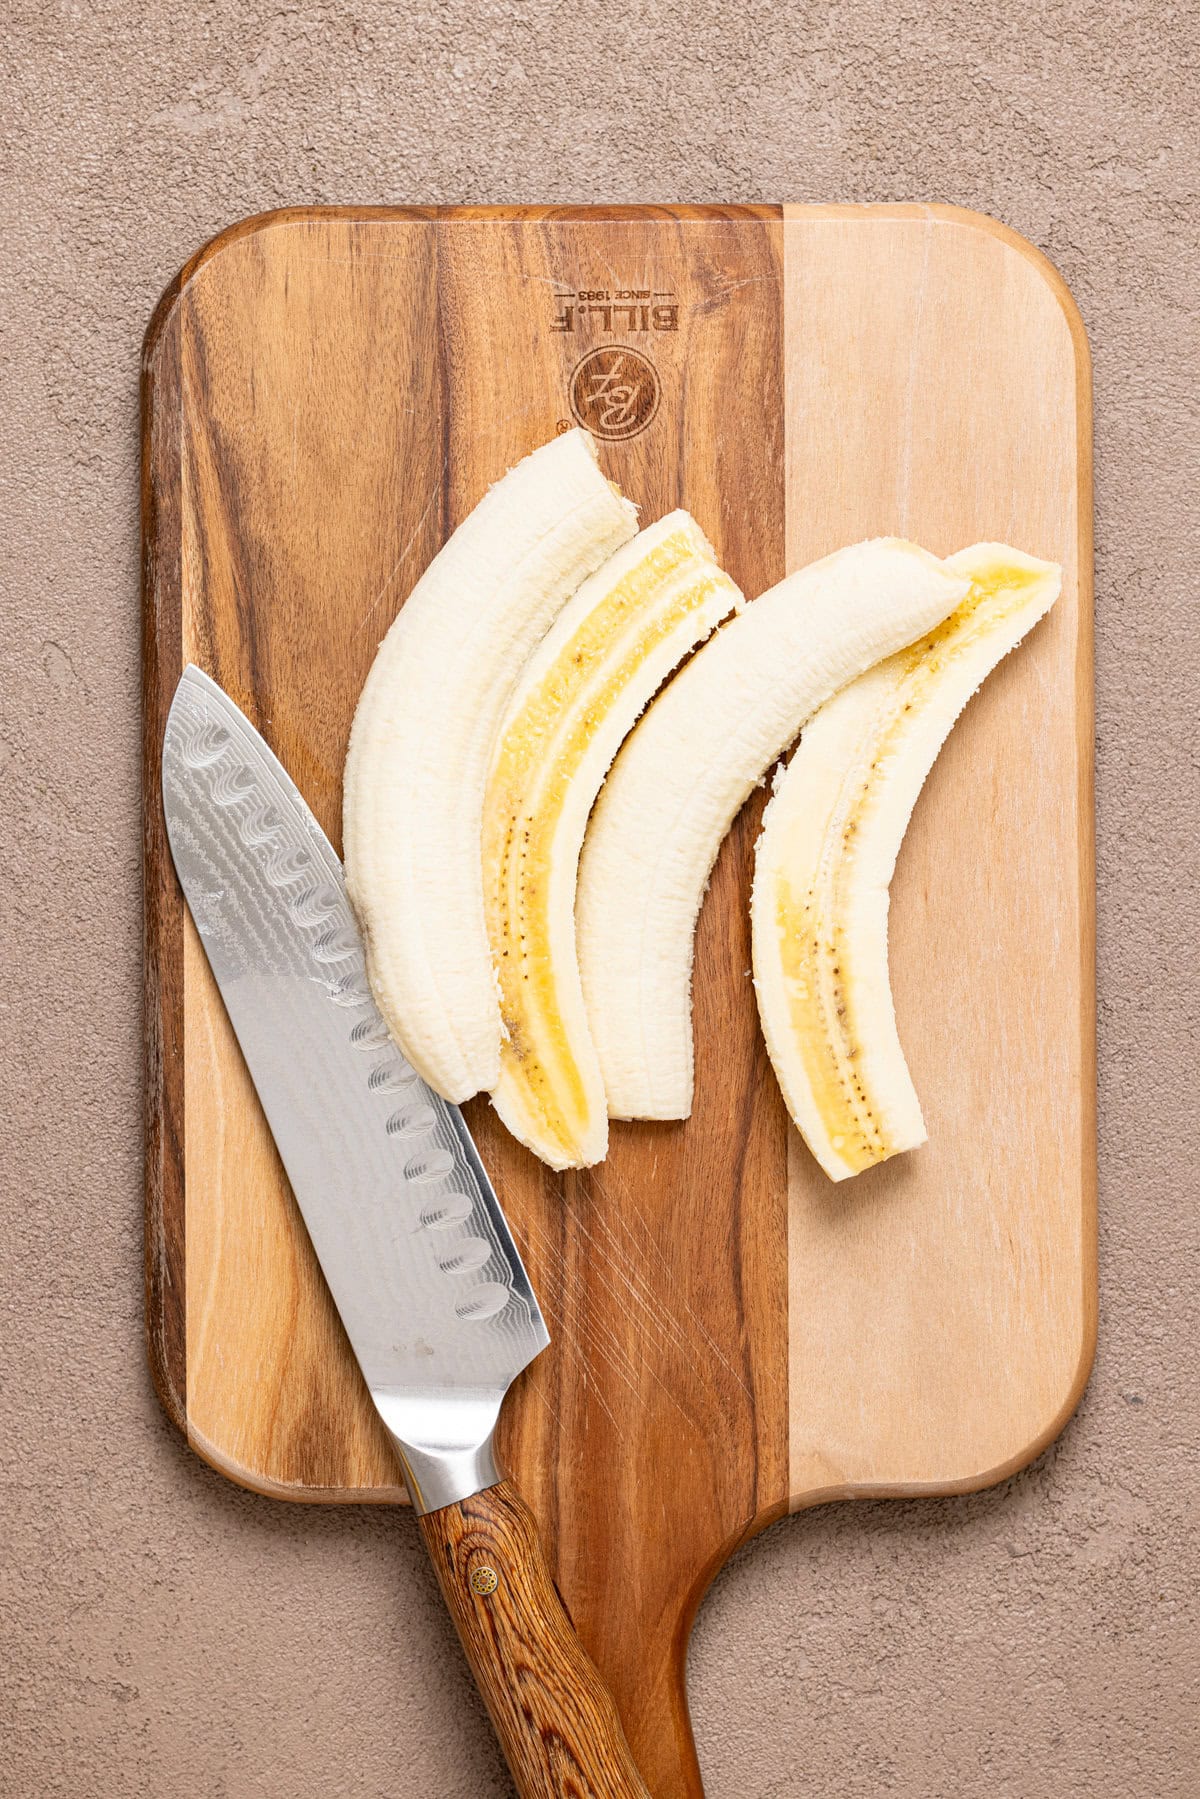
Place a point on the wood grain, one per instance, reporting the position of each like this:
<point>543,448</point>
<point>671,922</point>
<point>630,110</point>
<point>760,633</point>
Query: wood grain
<point>329,393</point>
<point>552,1712</point>
<point>163,989</point>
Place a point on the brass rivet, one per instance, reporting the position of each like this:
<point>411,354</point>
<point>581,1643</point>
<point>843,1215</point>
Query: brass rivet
<point>484,1581</point>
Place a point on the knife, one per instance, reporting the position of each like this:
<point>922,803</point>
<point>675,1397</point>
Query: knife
<point>410,1236</point>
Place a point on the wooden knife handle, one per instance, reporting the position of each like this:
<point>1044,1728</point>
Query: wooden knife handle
<point>554,1715</point>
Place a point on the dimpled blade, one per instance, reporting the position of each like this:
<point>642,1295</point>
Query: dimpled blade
<point>405,1223</point>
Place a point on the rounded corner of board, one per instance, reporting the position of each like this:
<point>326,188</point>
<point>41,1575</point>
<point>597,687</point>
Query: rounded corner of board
<point>982,224</point>
<point>1025,1457</point>
<point>986,224</point>
<point>165,312</point>
<point>254,1480</point>
<point>817,1481</point>
<point>1048,1435</point>
<point>255,224</point>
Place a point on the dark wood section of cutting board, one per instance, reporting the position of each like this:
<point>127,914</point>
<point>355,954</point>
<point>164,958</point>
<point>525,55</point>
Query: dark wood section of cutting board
<point>327,395</point>
<point>335,431</point>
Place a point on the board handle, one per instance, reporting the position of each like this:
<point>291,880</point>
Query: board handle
<point>556,1720</point>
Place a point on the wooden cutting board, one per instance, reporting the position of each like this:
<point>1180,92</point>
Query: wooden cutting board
<point>326,395</point>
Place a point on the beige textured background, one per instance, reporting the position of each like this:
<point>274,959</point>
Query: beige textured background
<point>170,1637</point>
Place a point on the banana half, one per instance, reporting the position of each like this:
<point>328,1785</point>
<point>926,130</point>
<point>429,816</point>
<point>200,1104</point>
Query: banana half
<point>678,782</point>
<point>606,655</point>
<point>422,738</point>
<point>825,858</point>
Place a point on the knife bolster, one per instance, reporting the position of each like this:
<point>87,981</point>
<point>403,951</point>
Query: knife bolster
<point>444,1443</point>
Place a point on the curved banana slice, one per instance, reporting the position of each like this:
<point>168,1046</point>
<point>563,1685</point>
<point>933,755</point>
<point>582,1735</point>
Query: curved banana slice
<point>422,737</point>
<point>824,861</point>
<point>606,655</point>
<point>680,779</point>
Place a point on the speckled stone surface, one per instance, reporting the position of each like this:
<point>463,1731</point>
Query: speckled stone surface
<point>169,1637</point>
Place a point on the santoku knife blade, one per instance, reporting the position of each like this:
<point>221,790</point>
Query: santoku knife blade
<point>405,1223</point>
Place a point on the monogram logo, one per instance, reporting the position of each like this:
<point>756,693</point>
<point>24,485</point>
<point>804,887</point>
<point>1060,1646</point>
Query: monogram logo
<point>614,391</point>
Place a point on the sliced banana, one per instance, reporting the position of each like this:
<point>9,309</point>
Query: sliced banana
<point>606,655</point>
<point>825,858</point>
<point>422,737</point>
<point>687,768</point>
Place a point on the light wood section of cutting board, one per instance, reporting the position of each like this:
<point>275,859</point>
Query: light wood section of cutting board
<point>940,1308</point>
<point>327,395</point>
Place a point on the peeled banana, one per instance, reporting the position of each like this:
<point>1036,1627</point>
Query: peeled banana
<point>825,858</point>
<point>604,658</point>
<point>422,737</point>
<point>687,768</point>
